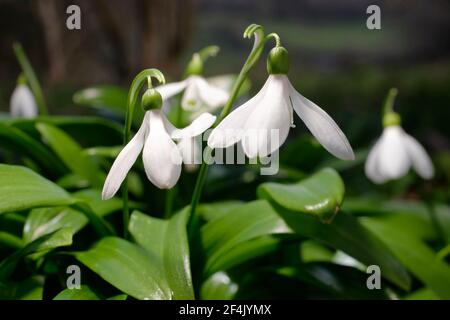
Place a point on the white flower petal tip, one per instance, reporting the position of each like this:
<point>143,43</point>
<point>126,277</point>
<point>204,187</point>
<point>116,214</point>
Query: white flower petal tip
<point>124,161</point>
<point>197,127</point>
<point>394,154</point>
<point>23,104</point>
<point>420,160</point>
<point>322,126</point>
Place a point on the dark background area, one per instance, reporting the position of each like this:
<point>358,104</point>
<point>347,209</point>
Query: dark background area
<point>335,60</point>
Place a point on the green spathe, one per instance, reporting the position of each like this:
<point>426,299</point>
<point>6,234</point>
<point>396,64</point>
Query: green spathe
<point>151,100</point>
<point>278,61</point>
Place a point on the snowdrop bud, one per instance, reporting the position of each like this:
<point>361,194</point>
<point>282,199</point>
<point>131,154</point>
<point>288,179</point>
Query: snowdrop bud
<point>278,61</point>
<point>391,119</point>
<point>195,66</point>
<point>151,100</point>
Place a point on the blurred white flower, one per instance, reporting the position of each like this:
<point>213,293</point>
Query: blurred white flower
<point>394,153</point>
<point>161,157</point>
<point>23,104</point>
<point>199,94</point>
<point>271,110</point>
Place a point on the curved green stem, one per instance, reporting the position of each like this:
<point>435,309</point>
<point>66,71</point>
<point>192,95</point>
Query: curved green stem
<point>133,94</point>
<point>276,37</point>
<point>389,102</point>
<point>258,32</point>
<point>31,77</point>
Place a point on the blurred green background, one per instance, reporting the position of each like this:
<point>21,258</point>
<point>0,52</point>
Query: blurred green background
<point>336,61</point>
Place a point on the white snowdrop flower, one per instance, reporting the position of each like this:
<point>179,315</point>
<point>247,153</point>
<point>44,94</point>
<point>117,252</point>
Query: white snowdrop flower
<point>191,152</point>
<point>395,153</point>
<point>23,104</point>
<point>155,138</point>
<point>262,123</point>
<point>199,95</point>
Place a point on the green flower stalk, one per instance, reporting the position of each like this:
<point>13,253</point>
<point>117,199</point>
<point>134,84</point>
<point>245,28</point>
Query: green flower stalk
<point>161,157</point>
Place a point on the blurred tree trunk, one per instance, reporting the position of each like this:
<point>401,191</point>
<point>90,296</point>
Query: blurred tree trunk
<point>117,38</point>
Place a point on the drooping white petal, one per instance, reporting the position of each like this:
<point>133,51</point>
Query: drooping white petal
<point>169,90</point>
<point>268,125</point>
<point>322,126</point>
<point>124,161</point>
<point>230,130</point>
<point>420,160</point>
<point>191,152</point>
<point>394,161</point>
<point>191,98</point>
<point>197,127</point>
<point>161,157</point>
<point>23,104</point>
<point>371,165</point>
<point>210,95</point>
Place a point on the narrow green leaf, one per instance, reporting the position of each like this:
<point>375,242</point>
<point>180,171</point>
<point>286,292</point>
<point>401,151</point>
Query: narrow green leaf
<point>18,141</point>
<point>42,221</point>
<point>167,242</point>
<point>415,255</point>
<point>70,152</point>
<point>21,188</point>
<point>59,238</point>
<point>90,131</point>
<point>127,267</point>
<point>10,240</point>
<point>28,289</point>
<point>321,194</point>
<point>246,222</point>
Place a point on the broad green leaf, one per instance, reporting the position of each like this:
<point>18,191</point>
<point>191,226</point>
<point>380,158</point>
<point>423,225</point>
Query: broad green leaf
<point>59,238</point>
<point>211,211</point>
<point>311,251</point>
<point>166,242</point>
<point>42,221</point>
<point>71,153</point>
<point>246,222</point>
<point>21,188</point>
<point>341,282</point>
<point>83,293</point>
<point>321,194</point>
<point>414,255</point>
<point>28,289</point>
<point>93,197</point>
<point>10,240</point>
<point>219,286</point>
<point>245,251</point>
<point>422,294</point>
<point>17,140</point>
<point>104,97</point>
<point>346,233</point>
<point>127,267</point>
<point>410,217</point>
